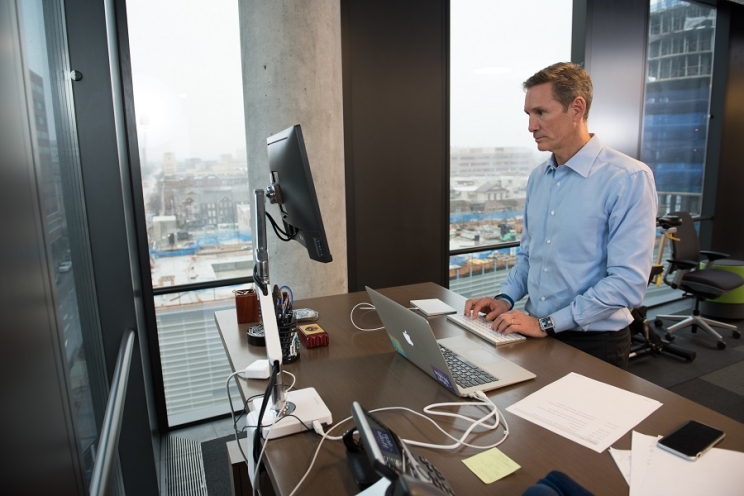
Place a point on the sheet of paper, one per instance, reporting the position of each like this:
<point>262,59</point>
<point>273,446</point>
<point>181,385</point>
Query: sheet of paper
<point>589,412</point>
<point>491,465</point>
<point>718,472</point>
<point>642,449</point>
<point>622,460</point>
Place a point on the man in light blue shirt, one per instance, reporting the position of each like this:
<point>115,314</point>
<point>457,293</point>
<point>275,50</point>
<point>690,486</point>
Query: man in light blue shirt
<point>589,228</point>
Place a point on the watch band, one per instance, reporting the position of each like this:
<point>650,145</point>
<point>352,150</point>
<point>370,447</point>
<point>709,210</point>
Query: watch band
<point>547,325</point>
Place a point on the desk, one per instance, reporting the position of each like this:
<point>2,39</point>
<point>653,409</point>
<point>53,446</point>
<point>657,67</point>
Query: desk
<point>363,366</point>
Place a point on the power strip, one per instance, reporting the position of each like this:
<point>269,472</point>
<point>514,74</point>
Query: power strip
<point>308,407</point>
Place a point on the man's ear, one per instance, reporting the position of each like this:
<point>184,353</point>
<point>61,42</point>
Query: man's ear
<point>578,108</point>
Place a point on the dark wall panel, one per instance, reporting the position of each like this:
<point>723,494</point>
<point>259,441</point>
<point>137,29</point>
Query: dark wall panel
<point>615,56</point>
<point>396,140</point>
<point>728,233</point>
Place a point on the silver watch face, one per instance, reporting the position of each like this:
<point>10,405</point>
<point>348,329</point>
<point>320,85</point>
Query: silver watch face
<point>546,323</point>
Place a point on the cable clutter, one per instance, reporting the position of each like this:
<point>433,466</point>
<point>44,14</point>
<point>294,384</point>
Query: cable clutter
<point>390,456</point>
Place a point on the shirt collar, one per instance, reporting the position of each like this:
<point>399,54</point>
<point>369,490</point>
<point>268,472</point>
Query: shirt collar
<point>583,160</point>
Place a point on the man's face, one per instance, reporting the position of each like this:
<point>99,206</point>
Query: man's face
<point>552,127</point>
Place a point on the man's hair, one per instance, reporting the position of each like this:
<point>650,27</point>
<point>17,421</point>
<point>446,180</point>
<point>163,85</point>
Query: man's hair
<point>569,81</point>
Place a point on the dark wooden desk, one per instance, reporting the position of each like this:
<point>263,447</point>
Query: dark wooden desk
<point>363,366</point>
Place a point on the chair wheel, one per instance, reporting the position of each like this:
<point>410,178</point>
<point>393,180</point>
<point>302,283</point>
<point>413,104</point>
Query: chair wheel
<point>669,337</point>
<point>658,323</point>
<point>721,345</point>
<point>737,334</point>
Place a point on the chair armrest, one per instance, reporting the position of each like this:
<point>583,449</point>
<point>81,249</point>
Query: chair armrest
<point>684,264</point>
<point>713,255</point>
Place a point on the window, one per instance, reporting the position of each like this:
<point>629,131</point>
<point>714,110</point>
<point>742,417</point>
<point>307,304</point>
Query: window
<point>188,98</point>
<point>495,46</point>
<point>676,110</point>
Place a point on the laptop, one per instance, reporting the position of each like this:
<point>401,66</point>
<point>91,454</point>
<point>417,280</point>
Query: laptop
<point>413,338</point>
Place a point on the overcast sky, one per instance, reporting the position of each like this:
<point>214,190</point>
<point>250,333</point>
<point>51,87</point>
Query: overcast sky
<point>187,75</point>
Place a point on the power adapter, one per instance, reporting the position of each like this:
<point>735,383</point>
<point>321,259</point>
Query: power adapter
<point>257,370</point>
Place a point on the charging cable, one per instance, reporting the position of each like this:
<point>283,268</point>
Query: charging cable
<point>363,306</point>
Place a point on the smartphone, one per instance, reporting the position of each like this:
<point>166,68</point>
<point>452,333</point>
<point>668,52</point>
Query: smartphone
<point>691,440</point>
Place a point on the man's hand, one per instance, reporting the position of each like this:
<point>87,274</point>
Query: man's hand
<point>517,321</point>
<point>504,320</point>
<point>490,306</point>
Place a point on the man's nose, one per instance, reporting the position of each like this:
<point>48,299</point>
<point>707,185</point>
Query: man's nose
<point>532,125</point>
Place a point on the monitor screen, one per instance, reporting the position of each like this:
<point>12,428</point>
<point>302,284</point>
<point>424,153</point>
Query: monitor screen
<point>290,171</point>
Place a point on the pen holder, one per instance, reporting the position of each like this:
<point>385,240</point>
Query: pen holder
<point>289,339</point>
<point>246,306</point>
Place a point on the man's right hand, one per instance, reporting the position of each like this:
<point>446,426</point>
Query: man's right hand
<point>490,306</point>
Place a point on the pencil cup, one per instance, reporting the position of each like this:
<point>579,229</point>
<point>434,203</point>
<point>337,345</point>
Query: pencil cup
<point>290,340</point>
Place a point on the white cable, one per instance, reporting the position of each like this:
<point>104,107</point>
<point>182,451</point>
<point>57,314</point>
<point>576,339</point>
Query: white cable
<point>484,401</point>
<point>363,306</point>
<point>319,429</point>
<point>263,448</point>
<point>232,414</point>
<point>475,423</point>
<point>294,379</point>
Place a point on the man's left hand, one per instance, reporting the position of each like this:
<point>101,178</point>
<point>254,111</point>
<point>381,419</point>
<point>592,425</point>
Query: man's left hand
<point>517,321</point>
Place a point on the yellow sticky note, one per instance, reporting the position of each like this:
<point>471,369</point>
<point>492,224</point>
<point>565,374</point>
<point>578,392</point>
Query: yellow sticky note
<point>491,465</point>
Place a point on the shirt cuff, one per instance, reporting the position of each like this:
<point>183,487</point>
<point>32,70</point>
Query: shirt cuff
<point>505,297</point>
<point>563,320</point>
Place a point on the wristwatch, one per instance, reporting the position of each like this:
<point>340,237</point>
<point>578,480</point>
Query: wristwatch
<point>546,324</point>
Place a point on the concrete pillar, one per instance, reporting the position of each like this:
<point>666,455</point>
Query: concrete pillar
<point>291,55</point>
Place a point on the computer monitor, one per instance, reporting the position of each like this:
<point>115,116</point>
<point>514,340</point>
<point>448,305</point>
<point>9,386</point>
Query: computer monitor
<point>295,192</point>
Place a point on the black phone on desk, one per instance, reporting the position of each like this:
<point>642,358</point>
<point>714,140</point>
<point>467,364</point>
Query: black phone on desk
<point>691,440</point>
<point>392,459</point>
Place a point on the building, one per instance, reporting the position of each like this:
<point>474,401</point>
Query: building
<point>491,161</point>
<point>678,87</point>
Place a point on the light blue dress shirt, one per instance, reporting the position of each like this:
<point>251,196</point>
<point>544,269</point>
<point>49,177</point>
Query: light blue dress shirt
<point>587,244</point>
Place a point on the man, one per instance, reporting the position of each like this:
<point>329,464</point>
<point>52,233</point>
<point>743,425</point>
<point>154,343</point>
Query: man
<point>589,229</point>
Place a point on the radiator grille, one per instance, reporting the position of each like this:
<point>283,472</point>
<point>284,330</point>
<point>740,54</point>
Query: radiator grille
<point>185,468</point>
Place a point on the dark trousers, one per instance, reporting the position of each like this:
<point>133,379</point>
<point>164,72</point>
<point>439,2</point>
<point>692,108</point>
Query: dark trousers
<point>611,346</point>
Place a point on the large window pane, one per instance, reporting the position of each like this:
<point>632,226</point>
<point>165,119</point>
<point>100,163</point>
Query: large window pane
<point>194,362</point>
<point>676,111</point>
<point>188,99</point>
<point>58,172</point>
<point>492,153</point>
<point>188,96</point>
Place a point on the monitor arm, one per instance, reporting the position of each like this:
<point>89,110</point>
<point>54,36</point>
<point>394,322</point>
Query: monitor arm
<point>265,298</point>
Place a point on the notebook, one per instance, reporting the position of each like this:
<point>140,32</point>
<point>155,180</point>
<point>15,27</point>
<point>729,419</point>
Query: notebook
<point>413,338</point>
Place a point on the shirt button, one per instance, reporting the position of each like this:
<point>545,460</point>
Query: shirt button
<point>558,184</point>
<point>552,212</point>
<point>545,270</point>
<point>548,241</point>
<point>543,298</point>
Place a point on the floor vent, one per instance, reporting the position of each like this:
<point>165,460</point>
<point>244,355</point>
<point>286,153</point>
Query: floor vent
<point>185,468</point>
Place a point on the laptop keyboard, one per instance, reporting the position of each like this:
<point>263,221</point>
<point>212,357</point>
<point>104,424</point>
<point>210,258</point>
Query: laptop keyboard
<point>482,328</point>
<point>465,373</point>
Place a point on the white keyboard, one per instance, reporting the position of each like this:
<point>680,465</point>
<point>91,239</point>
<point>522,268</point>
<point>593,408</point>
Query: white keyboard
<point>482,328</point>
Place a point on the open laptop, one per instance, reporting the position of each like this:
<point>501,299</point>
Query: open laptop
<point>413,338</point>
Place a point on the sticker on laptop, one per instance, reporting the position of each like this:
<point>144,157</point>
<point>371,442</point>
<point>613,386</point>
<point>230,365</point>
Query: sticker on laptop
<point>443,378</point>
<point>397,346</point>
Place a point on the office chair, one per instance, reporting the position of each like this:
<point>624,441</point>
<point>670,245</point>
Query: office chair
<point>644,341</point>
<point>687,272</point>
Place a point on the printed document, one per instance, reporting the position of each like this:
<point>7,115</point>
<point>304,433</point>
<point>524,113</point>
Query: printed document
<point>589,412</point>
<point>655,471</point>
